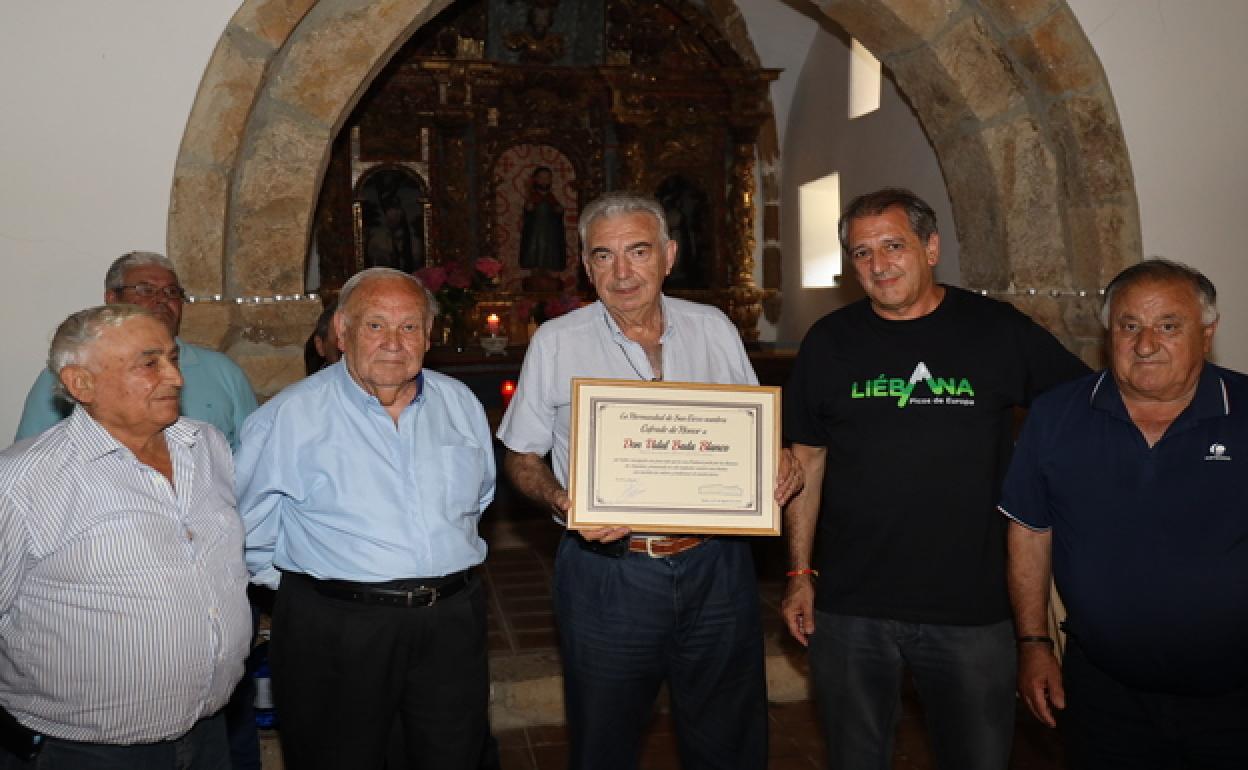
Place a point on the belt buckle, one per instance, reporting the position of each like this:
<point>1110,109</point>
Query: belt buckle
<point>650,541</point>
<point>432,593</point>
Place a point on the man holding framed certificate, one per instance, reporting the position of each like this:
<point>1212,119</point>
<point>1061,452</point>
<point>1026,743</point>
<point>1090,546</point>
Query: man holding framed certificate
<point>636,611</point>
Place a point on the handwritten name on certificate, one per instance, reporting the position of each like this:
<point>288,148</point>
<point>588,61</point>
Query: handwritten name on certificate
<point>674,456</point>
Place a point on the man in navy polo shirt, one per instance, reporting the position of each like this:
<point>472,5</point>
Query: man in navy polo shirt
<point>1125,482</point>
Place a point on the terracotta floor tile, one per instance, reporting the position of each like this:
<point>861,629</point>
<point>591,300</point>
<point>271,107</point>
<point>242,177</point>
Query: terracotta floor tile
<point>784,746</point>
<point>506,569</point>
<point>510,739</point>
<point>523,585</point>
<point>533,621</point>
<point>659,741</point>
<point>516,759</point>
<point>522,604</point>
<point>550,758</point>
<point>548,735</point>
<point>536,640</point>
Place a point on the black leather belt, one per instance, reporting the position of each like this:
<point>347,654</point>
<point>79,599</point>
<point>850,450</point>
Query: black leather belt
<point>396,593</point>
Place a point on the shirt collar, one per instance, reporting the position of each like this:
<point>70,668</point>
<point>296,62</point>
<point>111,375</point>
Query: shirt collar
<point>362,398</point>
<point>186,353</point>
<point>1209,400</point>
<point>615,328</point>
<point>94,440</point>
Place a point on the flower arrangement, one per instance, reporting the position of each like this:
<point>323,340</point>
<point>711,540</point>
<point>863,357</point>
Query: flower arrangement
<point>455,286</point>
<point>540,311</point>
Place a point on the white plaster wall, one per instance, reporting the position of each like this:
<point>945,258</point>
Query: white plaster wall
<point>781,37</point>
<point>883,148</point>
<point>94,97</point>
<point>1177,68</point>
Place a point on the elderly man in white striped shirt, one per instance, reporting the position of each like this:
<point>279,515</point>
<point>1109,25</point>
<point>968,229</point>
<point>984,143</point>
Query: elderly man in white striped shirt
<point>123,616</point>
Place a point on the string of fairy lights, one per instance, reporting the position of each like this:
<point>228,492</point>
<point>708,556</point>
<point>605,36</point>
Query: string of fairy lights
<point>269,299</point>
<point>257,299</point>
<point>1055,293</point>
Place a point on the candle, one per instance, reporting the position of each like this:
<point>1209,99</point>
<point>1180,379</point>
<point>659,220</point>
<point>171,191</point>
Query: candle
<point>507,390</point>
<point>491,324</point>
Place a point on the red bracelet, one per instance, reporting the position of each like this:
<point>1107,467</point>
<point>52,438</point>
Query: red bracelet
<point>803,571</point>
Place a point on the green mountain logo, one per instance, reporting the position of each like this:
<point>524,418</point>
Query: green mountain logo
<point>943,390</point>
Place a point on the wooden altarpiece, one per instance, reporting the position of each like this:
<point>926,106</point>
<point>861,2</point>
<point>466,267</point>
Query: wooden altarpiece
<point>498,105</point>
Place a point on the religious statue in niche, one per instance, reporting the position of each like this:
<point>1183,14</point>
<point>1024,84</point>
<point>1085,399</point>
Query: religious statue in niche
<point>685,207</point>
<point>391,204</point>
<point>542,241</point>
<point>535,205</point>
<point>536,43</point>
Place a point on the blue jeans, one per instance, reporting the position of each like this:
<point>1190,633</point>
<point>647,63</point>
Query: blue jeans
<point>629,623</point>
<point>965,677</point>
<point>203,748</point>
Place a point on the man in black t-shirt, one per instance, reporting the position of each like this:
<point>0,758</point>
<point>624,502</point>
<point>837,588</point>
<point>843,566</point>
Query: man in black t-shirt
<point>900,408</point>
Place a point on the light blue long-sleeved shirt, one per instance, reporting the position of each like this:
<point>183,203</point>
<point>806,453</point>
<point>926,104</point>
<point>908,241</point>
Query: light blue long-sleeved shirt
<point>328,486</point>
<point>215,391</point>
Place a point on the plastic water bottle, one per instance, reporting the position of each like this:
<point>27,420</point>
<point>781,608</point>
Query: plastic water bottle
<point>266,715</point>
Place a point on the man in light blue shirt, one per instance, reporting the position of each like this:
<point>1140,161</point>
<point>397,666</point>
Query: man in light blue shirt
<point>361,488</point>
<point>216,390</point>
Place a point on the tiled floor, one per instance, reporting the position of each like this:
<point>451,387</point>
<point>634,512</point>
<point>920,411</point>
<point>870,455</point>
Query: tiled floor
<point>520,618</point>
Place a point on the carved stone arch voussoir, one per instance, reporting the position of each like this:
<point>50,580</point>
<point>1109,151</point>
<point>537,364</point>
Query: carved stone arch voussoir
<point>1019,111</point>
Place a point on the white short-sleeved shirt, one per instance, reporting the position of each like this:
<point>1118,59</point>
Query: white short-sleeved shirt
<point>699,343</point>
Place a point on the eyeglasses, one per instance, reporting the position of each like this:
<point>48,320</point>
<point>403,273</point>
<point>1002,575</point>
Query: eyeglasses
<point>147,291</point>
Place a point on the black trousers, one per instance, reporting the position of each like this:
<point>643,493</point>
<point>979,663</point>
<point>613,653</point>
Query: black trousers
<point>343,671</point>
<point>1110,726</point>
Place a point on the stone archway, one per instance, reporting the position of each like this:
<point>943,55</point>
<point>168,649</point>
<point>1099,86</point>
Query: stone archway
<point>282,79</point>
<point>1011,94</point>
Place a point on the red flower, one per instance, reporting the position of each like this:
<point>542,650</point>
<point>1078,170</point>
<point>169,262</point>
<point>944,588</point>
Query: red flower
<point>489,267</point>
<point>457,277</point>
<point>432,277</point>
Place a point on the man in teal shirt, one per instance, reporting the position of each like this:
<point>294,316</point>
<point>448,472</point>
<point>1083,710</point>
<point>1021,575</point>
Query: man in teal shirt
<point>216,390</point>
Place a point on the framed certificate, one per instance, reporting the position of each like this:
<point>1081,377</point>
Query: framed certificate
<point>674,457</point>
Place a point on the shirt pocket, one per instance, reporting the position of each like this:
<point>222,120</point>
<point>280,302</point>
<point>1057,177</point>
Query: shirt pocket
<point>462,471</point>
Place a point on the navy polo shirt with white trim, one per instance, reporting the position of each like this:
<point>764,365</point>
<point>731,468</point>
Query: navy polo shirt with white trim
<point>1150,544</point>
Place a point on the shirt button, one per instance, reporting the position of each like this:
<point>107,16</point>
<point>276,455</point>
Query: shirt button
<point>214,613</point>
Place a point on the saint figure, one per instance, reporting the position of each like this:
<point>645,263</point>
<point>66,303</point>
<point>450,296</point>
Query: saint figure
<point>542,240</point>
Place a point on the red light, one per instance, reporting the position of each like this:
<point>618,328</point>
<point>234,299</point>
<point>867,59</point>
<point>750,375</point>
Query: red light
<point>507,390</point>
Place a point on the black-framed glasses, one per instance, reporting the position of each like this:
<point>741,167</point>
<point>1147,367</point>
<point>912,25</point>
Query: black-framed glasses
<point>148,291</point>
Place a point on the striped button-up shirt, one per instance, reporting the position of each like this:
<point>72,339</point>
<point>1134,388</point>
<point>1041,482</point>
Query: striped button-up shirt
<point>123,613</point>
